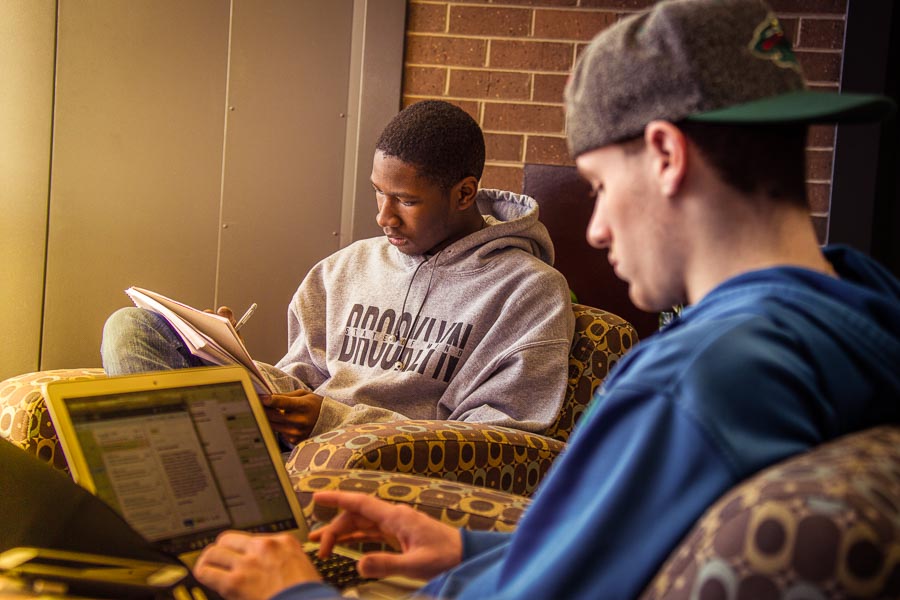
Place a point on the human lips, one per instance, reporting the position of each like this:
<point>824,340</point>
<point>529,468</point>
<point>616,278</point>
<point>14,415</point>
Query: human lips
<point>395,239</point>
<point>614,264</point>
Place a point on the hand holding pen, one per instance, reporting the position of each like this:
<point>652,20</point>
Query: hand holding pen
<point>243,320</point>
<point>224,311</point>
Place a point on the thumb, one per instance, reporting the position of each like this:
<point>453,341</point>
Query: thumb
<point>377,565</point>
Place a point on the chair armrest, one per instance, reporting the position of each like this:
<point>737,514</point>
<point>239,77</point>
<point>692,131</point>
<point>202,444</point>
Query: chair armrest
<point>24,418</point>
<point>493,457</point>
<point>823,524</point>
<point>456,504</point>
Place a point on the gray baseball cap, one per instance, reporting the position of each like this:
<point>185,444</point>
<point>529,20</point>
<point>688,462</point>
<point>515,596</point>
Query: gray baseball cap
<point>718,61</point>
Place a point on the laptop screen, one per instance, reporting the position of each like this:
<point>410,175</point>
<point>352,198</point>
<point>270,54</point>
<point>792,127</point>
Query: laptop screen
<point>181,464</point>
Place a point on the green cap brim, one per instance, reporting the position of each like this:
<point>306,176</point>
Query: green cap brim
<point>804,106</point>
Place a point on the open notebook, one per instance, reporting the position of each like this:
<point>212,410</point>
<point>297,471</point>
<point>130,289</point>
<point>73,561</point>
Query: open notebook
<point>182,455</point>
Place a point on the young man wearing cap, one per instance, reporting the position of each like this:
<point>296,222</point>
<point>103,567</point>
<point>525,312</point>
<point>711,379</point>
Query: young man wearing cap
<point>689,122</point>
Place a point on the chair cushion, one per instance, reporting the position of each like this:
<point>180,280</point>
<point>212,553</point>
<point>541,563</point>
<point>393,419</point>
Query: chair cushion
<point>601,339</point>
<point>24,418</point>
<point>495,457</point>
<point>455,504</point>
<point>822,525</point>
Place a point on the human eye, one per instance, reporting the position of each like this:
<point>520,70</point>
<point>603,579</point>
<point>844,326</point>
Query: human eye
<point>596,191</point>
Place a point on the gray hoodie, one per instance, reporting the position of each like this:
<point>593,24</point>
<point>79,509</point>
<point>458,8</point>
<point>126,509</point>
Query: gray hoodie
<point>479,332</point>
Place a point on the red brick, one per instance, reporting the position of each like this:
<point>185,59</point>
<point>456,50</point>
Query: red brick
<point>837,7</point>
<point>821,33</point>
<point>547,151</point>
<point>823,87</point>
<point>502,146</point>
<point>821,67</point>
<point>434,50</point>
<point>542,2</point>
<point>791,26</point>
<point>536,56</point>
<point>549,88</point>
<point>818,196</point>
<point>820,224</point>
<point>571,24</point>
<point>502,178</point>
<point>526,118</point>
<point>468,106</point>
<point>618,4</point>
<point>818,165</point>
<point>490,84</point>
<point>579,48</point>
<point>821,136</point>
<point>426,18</point>
<point>424,81</point>
<point>494,22</point>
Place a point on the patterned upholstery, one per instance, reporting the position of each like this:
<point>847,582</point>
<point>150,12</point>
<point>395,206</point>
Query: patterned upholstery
<point>601,339</point>
<point>24,418</point>
<point>494,457</point>
<point>824,525</point>
<point>453,503</point>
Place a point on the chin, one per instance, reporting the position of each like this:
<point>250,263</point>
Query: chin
<point>645,303</point>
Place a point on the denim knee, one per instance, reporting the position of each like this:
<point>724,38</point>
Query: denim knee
<point>136,340</point>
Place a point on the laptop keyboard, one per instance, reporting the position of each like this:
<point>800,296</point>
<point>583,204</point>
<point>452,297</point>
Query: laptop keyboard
<point>340,571</point>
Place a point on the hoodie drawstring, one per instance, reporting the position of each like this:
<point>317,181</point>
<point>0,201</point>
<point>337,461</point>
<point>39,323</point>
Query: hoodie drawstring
<point>399,365</point>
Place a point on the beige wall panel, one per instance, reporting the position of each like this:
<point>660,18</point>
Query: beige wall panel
<point>376,73</point>
<point>284,155</point>
<point>27,37</point>
<point>136,162</point>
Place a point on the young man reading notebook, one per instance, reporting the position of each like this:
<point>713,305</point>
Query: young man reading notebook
<point>455,313</point>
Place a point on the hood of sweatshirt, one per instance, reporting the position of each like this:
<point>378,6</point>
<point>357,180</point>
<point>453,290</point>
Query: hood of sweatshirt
<point>512,223</point>
<point>861,308</point>
<point>837,340</point>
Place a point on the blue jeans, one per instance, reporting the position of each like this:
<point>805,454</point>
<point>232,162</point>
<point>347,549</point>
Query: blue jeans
<point>136,340</point>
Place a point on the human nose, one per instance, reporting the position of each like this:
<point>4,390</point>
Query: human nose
<point>386,216</point>
<point>598,233</point>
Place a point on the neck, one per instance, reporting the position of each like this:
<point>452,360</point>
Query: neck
<point>751,234</point>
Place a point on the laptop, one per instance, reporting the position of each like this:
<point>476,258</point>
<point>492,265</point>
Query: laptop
<point>183,455</point>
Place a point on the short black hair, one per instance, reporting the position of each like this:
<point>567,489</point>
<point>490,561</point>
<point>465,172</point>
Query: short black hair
<point>770,159</point>
<point>441,140</point>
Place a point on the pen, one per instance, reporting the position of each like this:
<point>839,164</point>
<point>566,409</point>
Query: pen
<point>243,320</point>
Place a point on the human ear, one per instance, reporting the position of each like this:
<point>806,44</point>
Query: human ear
<point>668,151</point>
<point>464,192</point>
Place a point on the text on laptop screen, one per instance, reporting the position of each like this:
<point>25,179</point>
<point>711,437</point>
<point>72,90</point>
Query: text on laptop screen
<point>151,457</point>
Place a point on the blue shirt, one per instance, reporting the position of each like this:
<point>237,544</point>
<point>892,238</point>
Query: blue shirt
<point>769,364</point>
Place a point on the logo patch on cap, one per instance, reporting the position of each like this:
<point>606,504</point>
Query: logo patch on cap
<point>770,43</point>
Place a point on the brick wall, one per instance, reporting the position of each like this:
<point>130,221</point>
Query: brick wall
<point>506,62</point>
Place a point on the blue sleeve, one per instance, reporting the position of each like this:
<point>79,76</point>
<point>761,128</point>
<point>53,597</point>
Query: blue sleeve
<point>635,477</point>
<point>479,542</point>
<point>668,437</point>
<point>308,591</point>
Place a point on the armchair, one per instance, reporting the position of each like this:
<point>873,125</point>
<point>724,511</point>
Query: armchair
<point>24,417</point>
<point>822,525</point>
<point>506,459</point>
<point>498,458</point>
